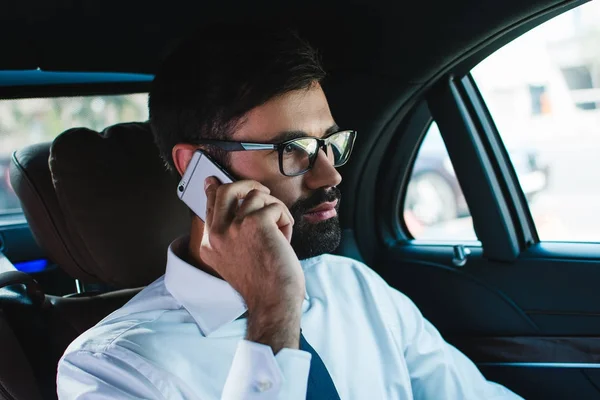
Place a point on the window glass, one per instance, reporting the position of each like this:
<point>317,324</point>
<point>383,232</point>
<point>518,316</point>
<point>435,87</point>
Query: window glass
<point>434,205</point>
<point>543,92</point>
<point>28,121</point>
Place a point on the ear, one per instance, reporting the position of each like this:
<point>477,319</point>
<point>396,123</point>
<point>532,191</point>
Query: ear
<point>182,154</point>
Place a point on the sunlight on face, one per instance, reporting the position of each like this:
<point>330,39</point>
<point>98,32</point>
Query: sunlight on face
<point>302,110</point>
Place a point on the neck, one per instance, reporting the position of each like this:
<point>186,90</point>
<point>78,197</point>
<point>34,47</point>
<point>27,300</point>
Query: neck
<point>194,257</point>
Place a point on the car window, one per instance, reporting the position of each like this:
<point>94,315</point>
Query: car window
<point>434,206</point>
<point>28,121</point>
<point>543,92</point>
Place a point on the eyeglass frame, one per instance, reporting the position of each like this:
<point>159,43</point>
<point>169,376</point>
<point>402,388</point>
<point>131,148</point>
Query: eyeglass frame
<point>322,143</point>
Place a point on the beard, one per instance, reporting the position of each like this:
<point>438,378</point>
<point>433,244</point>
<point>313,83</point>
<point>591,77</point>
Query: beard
<point>314,239</point>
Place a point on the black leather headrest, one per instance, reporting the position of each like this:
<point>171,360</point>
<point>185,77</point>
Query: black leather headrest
<point>106,209</point>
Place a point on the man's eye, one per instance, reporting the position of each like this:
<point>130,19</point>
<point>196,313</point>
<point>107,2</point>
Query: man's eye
<point>289,148</point>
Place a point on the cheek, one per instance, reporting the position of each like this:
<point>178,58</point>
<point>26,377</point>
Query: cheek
<point>265,170</point>
<point>249,165</point>
<point>288,190</point>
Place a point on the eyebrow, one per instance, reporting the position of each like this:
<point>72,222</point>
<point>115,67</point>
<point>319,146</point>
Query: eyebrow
<point>289,135</point>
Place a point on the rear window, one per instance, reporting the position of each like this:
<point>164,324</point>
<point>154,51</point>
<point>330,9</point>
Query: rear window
<point>28,121</point>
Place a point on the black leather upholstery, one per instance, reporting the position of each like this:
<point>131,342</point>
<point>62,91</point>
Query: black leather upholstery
<point>38,329</point>
<point>17,380</point>
<point>106,209</point>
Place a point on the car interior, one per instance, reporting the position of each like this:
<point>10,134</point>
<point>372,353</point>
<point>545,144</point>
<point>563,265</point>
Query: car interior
<point>99,207</point>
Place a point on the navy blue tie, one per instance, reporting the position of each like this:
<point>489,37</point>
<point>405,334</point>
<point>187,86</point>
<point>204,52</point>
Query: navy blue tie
<point>320,384</point>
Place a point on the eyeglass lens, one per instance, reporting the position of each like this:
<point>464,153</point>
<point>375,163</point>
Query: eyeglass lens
<point>298,155</point>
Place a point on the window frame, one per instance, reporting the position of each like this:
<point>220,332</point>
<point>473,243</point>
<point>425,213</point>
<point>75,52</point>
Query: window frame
<point>506,229</point>
<point>404,194</point>
<point>503,166</point>
<point>501,217</point>
<point>461,129</point>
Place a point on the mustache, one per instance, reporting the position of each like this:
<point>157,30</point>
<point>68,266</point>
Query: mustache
<point>302,206</point>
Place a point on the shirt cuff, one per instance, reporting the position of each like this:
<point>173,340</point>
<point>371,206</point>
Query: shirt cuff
<point>256,373</point>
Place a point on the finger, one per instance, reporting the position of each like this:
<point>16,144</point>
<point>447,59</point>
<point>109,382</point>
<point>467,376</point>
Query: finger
<point>274,214</point>
<point>252,202</point>
<point>227,200</point>
<point>279,213</point>
<point>211,184</point>
<point>256,200</point>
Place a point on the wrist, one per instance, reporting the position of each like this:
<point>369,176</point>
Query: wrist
<point>276,325</point>
<point>279,297</point>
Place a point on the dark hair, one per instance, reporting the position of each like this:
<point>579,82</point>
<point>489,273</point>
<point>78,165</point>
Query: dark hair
<point>215,77</point>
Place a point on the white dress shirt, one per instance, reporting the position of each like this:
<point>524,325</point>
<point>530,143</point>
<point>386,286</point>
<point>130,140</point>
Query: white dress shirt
<point>182,337</point>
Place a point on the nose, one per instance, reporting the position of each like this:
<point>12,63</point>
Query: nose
<point>323,173</point>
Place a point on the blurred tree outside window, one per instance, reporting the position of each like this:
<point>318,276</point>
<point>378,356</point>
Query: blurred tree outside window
<point>27,121</point>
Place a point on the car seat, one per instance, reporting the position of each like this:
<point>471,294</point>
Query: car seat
<point>103,208</point>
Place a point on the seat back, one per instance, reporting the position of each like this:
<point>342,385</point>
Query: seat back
<point>35,330</point>
<point>101,204</point>
<point>17,378</point>
<point>104,209</point>
<point>16,375</point>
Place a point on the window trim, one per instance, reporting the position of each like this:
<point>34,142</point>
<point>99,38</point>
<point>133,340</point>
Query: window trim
<point>461,131</point>
<point>404,149</point>
<point>400,158</point>
<point>503,166</point>
<point>404,192</point>
<point>394,166</point>
<point>520,234</point>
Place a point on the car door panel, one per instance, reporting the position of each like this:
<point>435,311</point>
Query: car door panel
<point>546,382</point>
<point>539,353</point>
<point>527,312</point>
<point>445,294</point>
<point>556,296</point>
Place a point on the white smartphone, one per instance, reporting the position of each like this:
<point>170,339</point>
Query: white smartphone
<point>191,187</point>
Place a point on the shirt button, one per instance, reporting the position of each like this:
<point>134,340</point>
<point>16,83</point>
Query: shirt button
<point>263,385</point>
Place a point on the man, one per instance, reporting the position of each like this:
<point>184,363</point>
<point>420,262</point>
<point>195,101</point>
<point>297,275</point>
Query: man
<point>251,305</point>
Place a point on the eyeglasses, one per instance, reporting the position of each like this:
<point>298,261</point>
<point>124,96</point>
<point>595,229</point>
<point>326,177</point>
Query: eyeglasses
<point>297,156</point>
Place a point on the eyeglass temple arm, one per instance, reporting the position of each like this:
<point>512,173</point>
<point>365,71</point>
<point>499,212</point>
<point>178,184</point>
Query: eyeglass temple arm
<point>259,146</point>
<point>237,146</point>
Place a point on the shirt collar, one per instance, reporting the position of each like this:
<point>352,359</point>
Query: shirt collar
<point>211,301</point>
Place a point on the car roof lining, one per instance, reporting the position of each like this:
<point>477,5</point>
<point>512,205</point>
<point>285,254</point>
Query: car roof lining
<point>381,37</point>
<point>88,80</point>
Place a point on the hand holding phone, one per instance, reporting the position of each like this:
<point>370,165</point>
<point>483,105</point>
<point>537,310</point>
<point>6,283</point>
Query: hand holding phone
<point>248,245</point>
<point>191,187</point>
